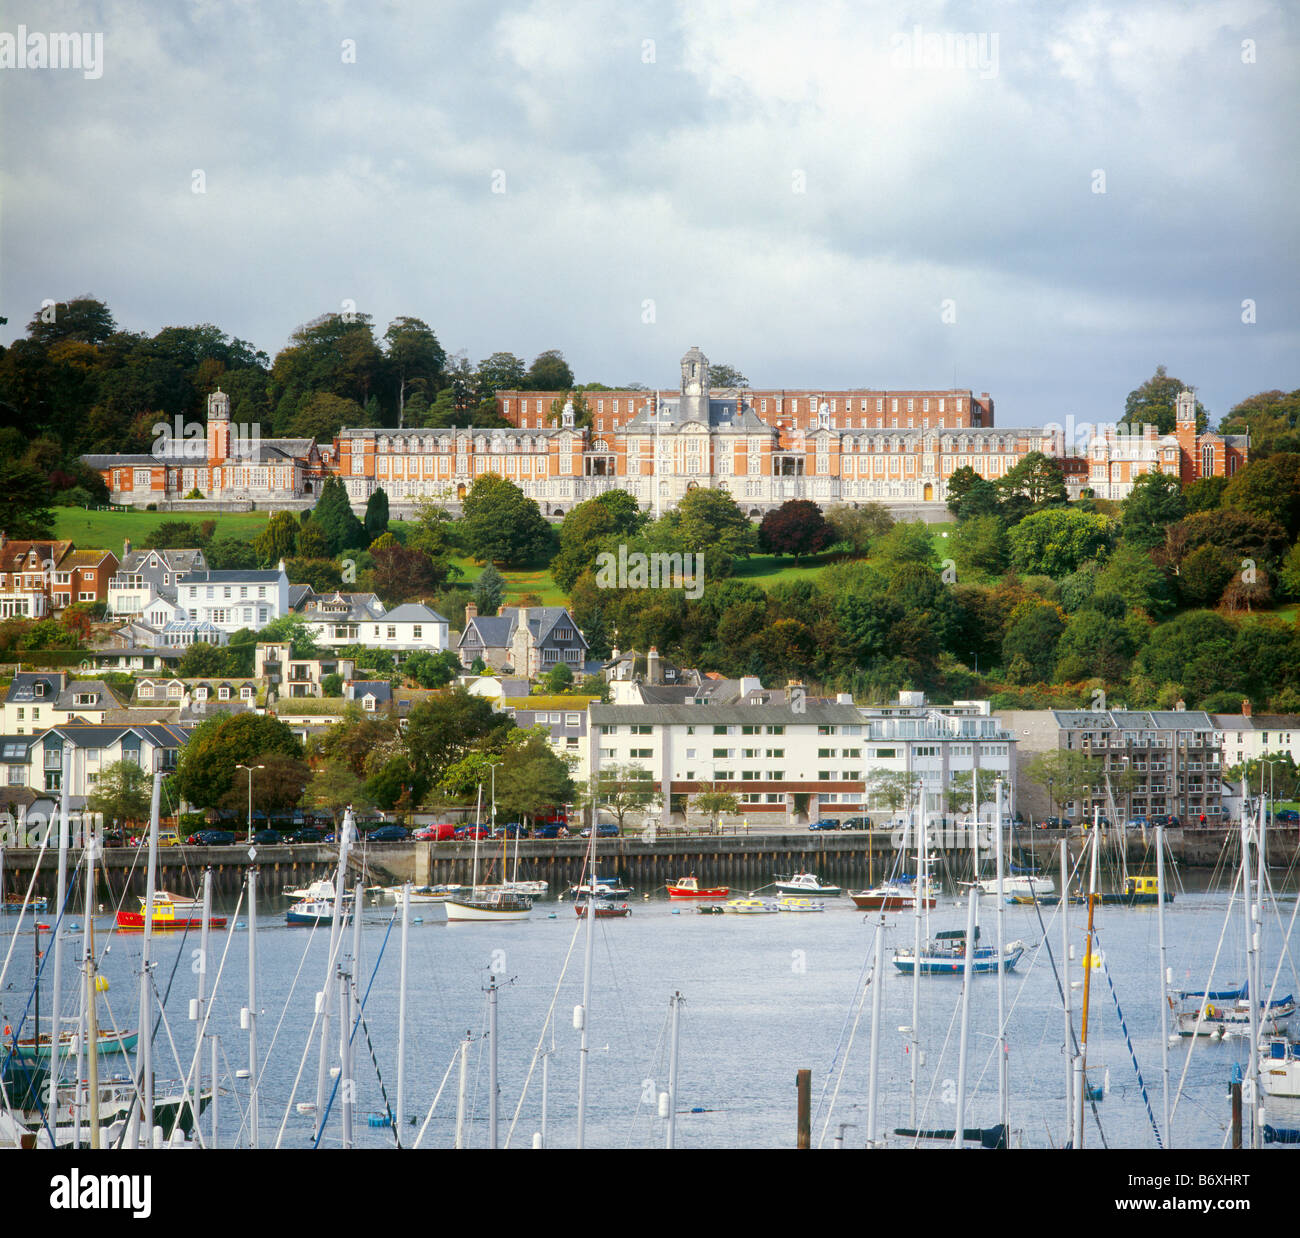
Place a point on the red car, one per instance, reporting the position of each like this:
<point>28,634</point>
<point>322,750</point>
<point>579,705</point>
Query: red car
<point>435,833</point>
<point>473,831</point>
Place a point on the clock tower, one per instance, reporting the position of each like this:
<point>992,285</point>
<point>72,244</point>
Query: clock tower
<point>695,386</point>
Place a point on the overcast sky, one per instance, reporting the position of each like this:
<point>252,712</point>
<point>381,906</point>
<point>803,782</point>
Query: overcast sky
<point>806,191</point>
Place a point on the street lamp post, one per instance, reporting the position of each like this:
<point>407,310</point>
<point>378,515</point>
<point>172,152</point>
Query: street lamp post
<point>250,769</point>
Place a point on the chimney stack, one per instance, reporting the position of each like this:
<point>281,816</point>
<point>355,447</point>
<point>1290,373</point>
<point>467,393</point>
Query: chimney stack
<point>652,666</point>
<point>471,612</point>
<point>1245,708</point>
<point>126,547</point>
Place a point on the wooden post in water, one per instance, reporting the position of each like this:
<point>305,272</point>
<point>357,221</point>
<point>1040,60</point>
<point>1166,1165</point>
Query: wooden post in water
<point>1236,1108</point>
<point>803,1084</point>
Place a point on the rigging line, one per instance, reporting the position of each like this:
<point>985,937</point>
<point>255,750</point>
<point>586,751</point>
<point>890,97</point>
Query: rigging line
<point>656,1060</point>
<point>1128,1040</point>
<point>352,1035</point>
<point>864,983</point>
<point>315,1022</point>
<point>27,900</point>
<point>211,998</point>
<point>1286,938</point>
<point>365,1027</point>
<point>1209,984</point>
<point>195,1103</point>
<point>550,1014</point>
<point>436,1097</point>
<point>266,1058</point>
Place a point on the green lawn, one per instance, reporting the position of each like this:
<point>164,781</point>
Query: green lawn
<point>95,530</point>
<point>518,583</point>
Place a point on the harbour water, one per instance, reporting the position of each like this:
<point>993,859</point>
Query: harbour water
<point>765,996</point>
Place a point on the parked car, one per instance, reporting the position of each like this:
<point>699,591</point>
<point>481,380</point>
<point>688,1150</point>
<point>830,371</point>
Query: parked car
<point>1287,816</point>
<point>115,838</point>
<point>267,838</point>
<point>212,838</point>
<point>604,829</point>
<point>1136,823</point>
<point>551,829</point>
<point>856,823</point>
<point>388,834</point>
<point>1054,823</point>
<point>308,835</point>
<point>826,823</point>
<point>440,832</point>
<point>472,831</point>
<point>511,829</point>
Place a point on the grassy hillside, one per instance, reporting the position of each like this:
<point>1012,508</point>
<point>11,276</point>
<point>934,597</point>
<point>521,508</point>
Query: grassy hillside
<point>96,530</point>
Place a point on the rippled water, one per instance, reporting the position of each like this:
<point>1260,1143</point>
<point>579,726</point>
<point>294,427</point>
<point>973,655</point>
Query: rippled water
<point>764,997</point>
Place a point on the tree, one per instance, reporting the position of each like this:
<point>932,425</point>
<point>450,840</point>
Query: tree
<point>1036,481</point>
<point>489,591</point>
<point>323,415</point>
<point>415,359</point>
<point>441,729</point>
<point>1030,643</point>
<point>277,787</point>
<point>1155,501</point>
<point>334,514</point>
<point>591,528</point>
<point>857,526</point>
<point>531,779</point>
<point>1133,575</point>
<point>175,535</point>
<point>400,574</point>
<point>1065,775</point>
<point>25,502</point>
<point>122,793</point>
<point>376,521</point>
<point>908,542</point>
<point>795,528</point>
<point>83,319</point>
<point>231,554</point>
<point>279,540</point>
<point>1153,403</point>
<point>206,769</point>
<point>202,660</point>
<point>1094,644</point>
<point>1194,652</point>
<point>297,631</point>
<point>332,788</point>
<point>502,371</point>
<point>501,524</point>
<point>710,523</point>
<point>722,375</point>
<point>713,801</point>
<point>432,670</point>
<point>1269,490</point>
<point>558,679</point>
<point>1055,542</point>
<point>980,544</point>
<point>549,372</point>
<point>892,788</point>
<point>621,789</point>
<point>1271,418</point>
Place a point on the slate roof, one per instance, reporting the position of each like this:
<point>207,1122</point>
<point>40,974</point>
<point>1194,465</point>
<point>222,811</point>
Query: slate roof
<point>816,712</point>
<point>412,612</point>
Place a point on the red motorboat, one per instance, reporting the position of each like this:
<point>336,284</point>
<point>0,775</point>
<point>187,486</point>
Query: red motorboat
<point>169,912</point>
<point>688,887</point>
<point>605,909</point>
<point>891,896</point>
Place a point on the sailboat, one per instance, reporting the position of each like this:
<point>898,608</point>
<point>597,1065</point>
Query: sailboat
<point>945,955</point>
<point>484,903</point>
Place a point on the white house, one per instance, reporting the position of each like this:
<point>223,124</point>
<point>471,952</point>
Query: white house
<point>233,600</point>
<point>406,629</point>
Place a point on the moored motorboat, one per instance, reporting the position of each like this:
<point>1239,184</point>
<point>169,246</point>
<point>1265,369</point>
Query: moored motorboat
<point>896,895</point>
<point>750,906</point>
<point>1137,892</point>
<point>1279,1068</point>
<point>689,887</point>
<point>806,884</point>
<point>14,904</point>
<point>791,903</point>
<point>169,913</point>
<point>314,911</point>
<point>603,908</point>
<point>1025,886</point>
<point>601,887</point>
<point>1226,1012</point>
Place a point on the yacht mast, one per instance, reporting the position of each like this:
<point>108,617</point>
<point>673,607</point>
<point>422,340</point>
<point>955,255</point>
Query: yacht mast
<point>580,1018</point>
<point>145,1025</point>
<point>1004,1103</point>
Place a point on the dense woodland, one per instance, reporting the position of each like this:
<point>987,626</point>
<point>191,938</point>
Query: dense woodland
<point>1176,593</point>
